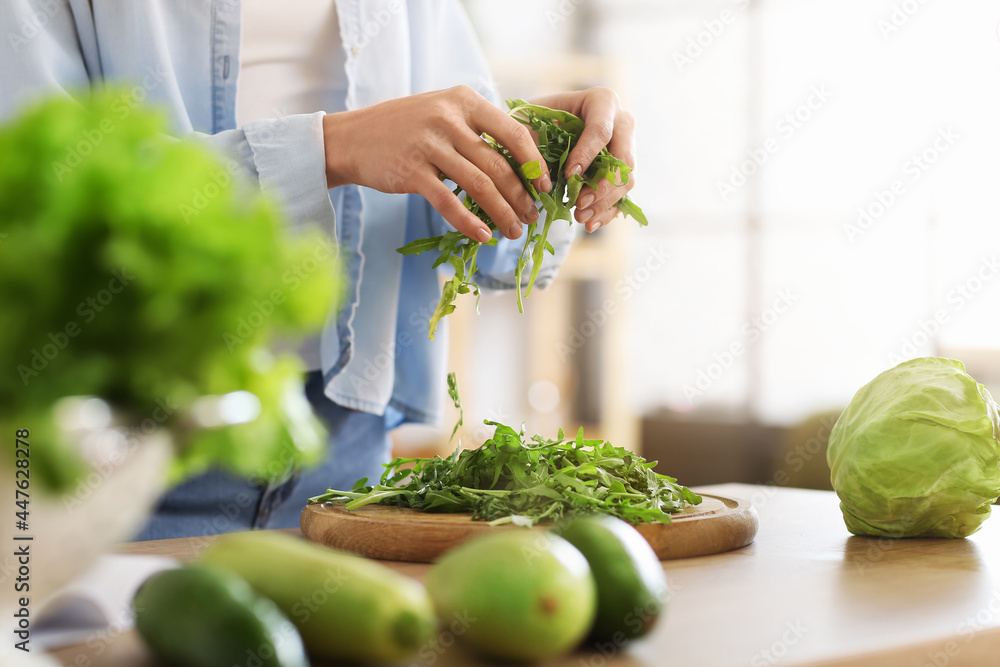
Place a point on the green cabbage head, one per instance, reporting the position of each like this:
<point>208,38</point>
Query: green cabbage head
<point>916,453</point>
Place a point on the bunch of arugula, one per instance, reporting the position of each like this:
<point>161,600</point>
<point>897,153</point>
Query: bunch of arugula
<point>510,479</point>
<point>557,133</point>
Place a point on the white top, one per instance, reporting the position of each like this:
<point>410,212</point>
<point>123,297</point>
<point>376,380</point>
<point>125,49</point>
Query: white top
<point>291,62</point>
<point>291,59</point>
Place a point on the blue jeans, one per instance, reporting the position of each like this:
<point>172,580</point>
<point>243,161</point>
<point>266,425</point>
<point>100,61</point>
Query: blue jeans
<point>219,502</point>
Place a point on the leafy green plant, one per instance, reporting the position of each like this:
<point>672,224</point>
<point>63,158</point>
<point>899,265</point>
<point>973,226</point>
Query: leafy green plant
<point>136,270</point>
<point>511,479</point>
<point>557,133</point>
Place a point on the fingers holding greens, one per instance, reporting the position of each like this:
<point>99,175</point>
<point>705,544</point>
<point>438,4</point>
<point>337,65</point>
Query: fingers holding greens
<point>443,199</point>
<point>556,133</point>
<point>514,136</point>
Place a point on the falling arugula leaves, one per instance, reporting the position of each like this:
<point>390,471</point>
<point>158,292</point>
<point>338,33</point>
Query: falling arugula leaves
<point>557,133</point>
<point>457,400</point>
<point>513,480</point>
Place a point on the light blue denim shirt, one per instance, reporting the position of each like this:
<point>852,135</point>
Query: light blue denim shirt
<point>183,55</point>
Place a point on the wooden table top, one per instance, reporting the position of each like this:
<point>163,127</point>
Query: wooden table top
<point>804,593</point>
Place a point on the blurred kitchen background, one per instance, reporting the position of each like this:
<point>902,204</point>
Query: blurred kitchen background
<point>821,182</point>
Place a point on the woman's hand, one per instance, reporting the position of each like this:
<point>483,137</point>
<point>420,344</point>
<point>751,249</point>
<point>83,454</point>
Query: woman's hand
<point>401,146</point>
<point>606,123</point>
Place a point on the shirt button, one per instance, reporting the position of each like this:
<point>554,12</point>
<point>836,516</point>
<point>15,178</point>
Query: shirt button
<point>355,50</point>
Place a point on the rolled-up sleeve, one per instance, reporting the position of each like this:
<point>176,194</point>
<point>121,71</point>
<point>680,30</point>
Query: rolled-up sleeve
<point>286,158</point>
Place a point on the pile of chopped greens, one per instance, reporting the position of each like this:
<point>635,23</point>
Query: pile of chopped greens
<point>513,480</point>
<point>557,133</point>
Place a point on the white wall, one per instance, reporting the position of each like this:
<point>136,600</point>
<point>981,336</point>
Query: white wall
<point>858,299</point>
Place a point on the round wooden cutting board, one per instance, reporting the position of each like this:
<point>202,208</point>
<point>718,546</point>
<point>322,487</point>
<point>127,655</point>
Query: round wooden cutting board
<point>398,533</point>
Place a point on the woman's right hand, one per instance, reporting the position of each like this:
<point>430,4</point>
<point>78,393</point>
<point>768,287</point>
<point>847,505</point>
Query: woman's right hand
<point>401,146</point>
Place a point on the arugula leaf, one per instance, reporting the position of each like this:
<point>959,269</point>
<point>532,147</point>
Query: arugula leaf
<point>557,133</point>
<point>457,400</point>
<point>628,207</point>
<point>420,245</point>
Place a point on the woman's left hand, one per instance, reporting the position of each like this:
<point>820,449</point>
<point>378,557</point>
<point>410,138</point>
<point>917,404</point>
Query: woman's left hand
<point>606,123</point>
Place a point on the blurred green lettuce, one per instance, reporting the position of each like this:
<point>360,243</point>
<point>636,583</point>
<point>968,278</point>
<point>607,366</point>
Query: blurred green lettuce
<point>134,267</point>
<point>916,453</point>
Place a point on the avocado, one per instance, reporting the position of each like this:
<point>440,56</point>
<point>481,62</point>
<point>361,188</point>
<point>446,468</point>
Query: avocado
<point>631,585</point>
<point>197,617</point>
<point>521,594</point>
<point>345,607</point>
